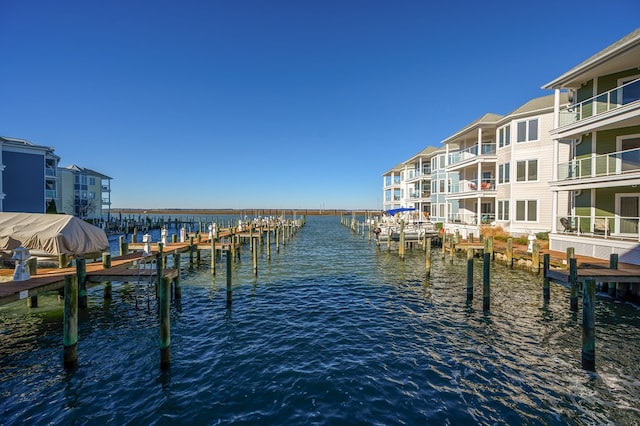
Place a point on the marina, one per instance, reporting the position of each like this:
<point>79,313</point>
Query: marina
<point>325,333</point>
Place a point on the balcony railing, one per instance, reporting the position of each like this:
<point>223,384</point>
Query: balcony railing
<point>472,152</point>
<point>48,171</point>
<point>615,163</point>
<point>600,104</point>
<point>472,186</point>
<point>50,193</point>
<point>621,227</point>
<point>472,218</point>
<point>419,195</point>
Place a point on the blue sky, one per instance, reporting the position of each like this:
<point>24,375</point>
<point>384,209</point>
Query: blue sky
<point>276,104</point>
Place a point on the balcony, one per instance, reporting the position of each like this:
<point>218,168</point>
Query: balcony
<point>619,227</point>
<point>472,218</point>
<point>471,152</point>
<point>615,163</point>
<point>105,188</point>
<point>50,193</point>
<point>600,104</point>
<point>420,195</point>
<point>48,171</point>
<point>471,186</point>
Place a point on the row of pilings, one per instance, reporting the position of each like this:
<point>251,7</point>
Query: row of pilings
<point>533,261</point>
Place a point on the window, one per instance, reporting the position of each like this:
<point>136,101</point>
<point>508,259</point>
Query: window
<point>442,161</point>
<point>527,130</point>
<point>504,136</point>
<point>434,186</point>
<point>527,170</point>
<point>527,210</point>
<point>504,173</point>
<point>503,210</point>
<point>441,186</point>
<point>92,181</point>
<point>387,180</point>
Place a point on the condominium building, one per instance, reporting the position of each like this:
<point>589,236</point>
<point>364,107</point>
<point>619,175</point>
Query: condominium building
<point>600,132</point>
<point>84,192</point>
<point>28,176</point>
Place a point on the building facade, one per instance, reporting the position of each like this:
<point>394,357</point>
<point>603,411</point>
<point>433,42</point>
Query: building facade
<point>28,176</point>
<point>600,130</point>
<point>84,193</point>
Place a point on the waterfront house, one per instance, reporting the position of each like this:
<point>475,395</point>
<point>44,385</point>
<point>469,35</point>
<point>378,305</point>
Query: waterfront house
<point>84,193</point>
<point>392,187</point>
<point>470,182</point>
<point>417,182</point>
<point>28,176</point>
<point>600,130</point>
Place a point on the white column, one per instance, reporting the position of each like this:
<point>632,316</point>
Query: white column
<point>554,212</point>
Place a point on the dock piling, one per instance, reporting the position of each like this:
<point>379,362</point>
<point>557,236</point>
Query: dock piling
<point>70,326</point>
<point>486,281</point>
<point>469,274</point>
<point>588,325</point>
<point>165,324</point>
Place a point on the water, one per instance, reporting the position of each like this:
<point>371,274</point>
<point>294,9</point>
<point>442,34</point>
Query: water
<point>333,331</point>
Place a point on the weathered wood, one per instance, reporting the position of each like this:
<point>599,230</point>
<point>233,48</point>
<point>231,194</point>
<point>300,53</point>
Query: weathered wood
<point>254,242</point>
<point>486,281</point>
<point>588,325</point>
<point>573,283</point>
<point>401,243</point>
<point>229,273</point>
<point>469,274</point>
<point>546,290</point>
<point>70,321</point>
<point>165,323</point>
<point>81,274</point>
<point>428,256</point>
<point>510,252</point>
<point>535,258</point>
<point>613,264</point>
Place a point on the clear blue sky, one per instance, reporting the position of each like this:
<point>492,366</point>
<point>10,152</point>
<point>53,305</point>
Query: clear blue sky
<point>276,104</point>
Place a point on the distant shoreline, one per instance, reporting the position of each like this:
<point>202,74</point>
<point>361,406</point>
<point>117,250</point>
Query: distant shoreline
<point>248,212</point>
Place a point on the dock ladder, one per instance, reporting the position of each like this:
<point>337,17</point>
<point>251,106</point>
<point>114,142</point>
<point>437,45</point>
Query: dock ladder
<point>147,278</point>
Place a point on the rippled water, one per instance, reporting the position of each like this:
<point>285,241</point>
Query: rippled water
<point>332,331</point>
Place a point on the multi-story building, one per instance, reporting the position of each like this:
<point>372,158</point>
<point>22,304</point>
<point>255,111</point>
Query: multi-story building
<point>600,131</point>
<point>392,188</point>
<point>417,182</point>
<point>84,192</point>
<point>28,177</point>
<point>440,187</point>
<point>471,176</point>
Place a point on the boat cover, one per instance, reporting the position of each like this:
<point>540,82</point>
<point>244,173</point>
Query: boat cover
<point>53,234</point>
<point>392,212</point>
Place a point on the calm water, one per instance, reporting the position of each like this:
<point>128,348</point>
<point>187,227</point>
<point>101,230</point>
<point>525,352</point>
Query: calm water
<point>333,331</point>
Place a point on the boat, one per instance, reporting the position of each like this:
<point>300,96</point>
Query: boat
<point>415,227</point>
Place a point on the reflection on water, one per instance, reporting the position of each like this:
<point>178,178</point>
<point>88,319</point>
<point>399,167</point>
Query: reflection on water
<point>332,331</point>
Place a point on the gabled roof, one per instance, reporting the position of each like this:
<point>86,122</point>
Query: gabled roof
<point>537,106</point>
<point>84,170</point>
<point>23,143</point>
<point>427,151</point>
<point>396,168</point>
<point>489,119</point>
<point>621,55</point>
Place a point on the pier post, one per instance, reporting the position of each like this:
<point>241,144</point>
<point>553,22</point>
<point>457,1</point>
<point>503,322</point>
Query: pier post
<point>452,247</point>
<point>176,265</point>
<point>254,242</point>
<point>134,235</point>
<point>165,324</point>
<point>571,254</point>
<point>32,264</point>
<point>588,325</point>
<point>106,264</point>
<point>613,264</point>
<point>510,252</point>
<point>268,241</point>
<point>546,291</point>
<point>81,273</point>
<point>190,253</point>
<point>401,243</point>
<point>428,256</point>
<point>229,265</point>
<point>469,274</point>
<point>70,326</point>
<point>124,248</point>
<point>62,260</point>
<point>486,281</point>
<point>213,254</point>
<point>573,282</point>
<point>443,244</point>
<point>535,258</point>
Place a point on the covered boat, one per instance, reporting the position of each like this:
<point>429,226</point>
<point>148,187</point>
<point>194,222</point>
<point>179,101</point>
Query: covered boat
<point>51,234</point>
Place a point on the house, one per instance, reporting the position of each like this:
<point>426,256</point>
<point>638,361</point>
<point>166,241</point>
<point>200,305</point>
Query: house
<point>28,176</point>
<point>600,174</point>
<point>417,182</point>
<point>84,192</point>
<point>392,188</point>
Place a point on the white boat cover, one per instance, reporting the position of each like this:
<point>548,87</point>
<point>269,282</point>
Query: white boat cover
<point>53,234</point>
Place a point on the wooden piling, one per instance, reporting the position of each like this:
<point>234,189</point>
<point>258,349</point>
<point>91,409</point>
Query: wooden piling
<point>613,264</point>
<point>268,242</point>
<point>70,326</point>
<point>469,274</point>
<point>229,265</point>
<point>452,247</point>
<point>165,324</point>
<point>255,256</point>
<point>571,253</point>
<point>106,263</point>
<point>588,325</point>
<point>573,282</point>
<point>81,273</point>
<point>124,248</point>
<point>510,252</point>
<point>535,258</point>
<point>401,243</point>
<point>428,256</point>
<point>213,254</point>
<point>546,291</point>
<point>486,281</point>
<point>62,260</point>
